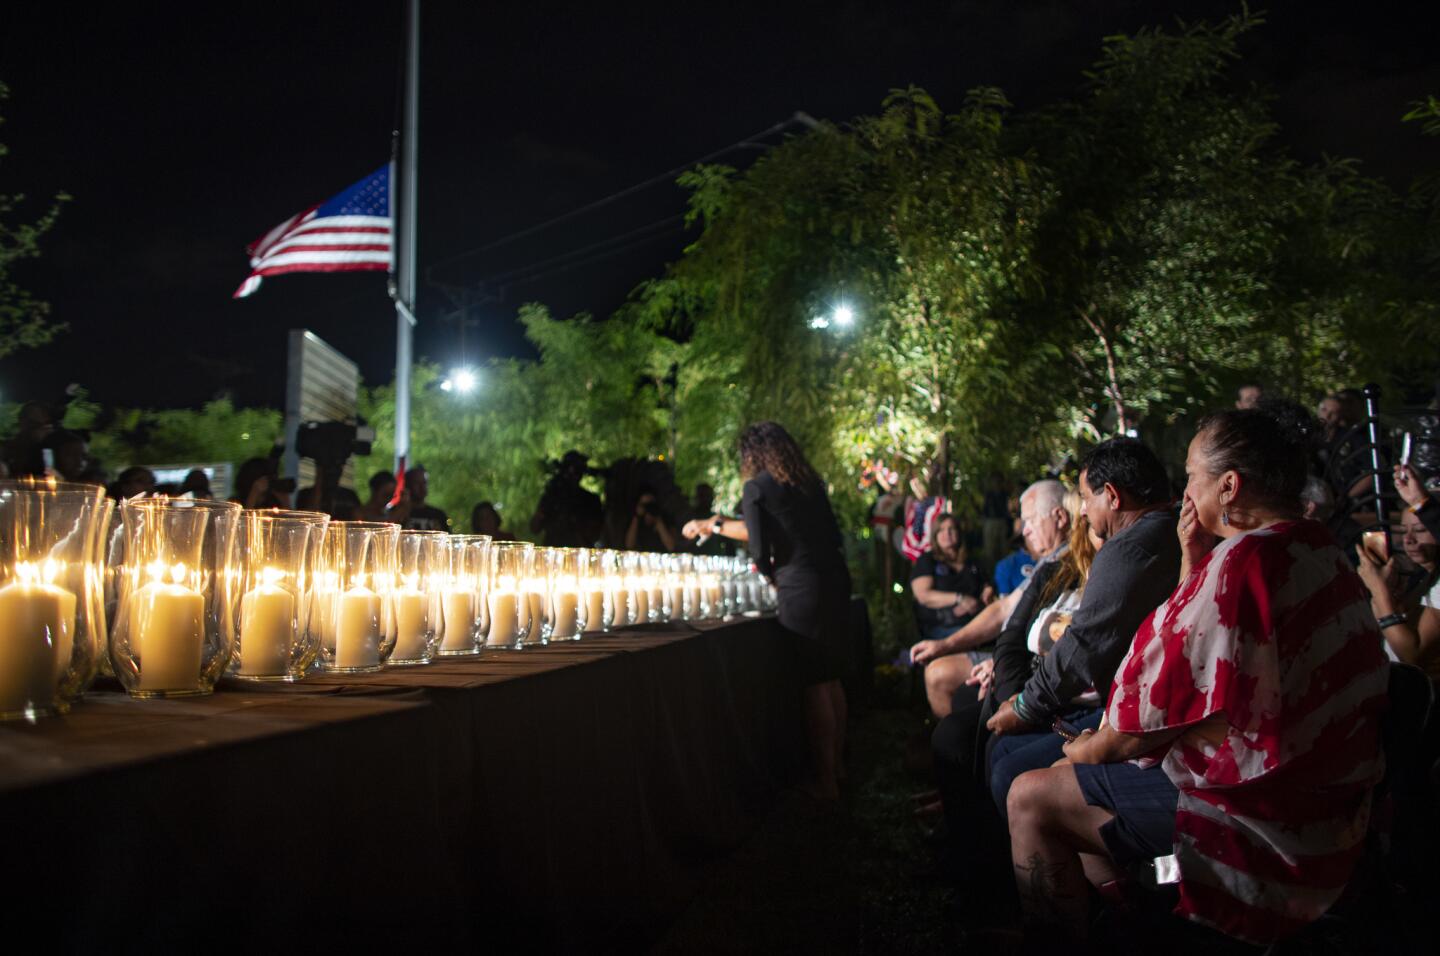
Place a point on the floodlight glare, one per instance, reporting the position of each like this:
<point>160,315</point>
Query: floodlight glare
<point>464,379</point>
<point>446,385</point>
<point>844,315</point>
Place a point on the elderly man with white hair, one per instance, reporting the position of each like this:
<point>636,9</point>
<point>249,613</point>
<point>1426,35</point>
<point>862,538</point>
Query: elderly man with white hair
<point>1045,525</point>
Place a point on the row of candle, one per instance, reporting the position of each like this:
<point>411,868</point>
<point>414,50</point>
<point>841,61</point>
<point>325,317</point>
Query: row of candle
<point>195,588</point>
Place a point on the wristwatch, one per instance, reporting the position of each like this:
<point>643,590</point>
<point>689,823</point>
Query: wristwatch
<point>718,527</point>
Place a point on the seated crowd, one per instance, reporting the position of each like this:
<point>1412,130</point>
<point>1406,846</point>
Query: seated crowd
<point>1181,706</point>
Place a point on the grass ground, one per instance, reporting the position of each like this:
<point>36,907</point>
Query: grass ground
<point>830,878</point>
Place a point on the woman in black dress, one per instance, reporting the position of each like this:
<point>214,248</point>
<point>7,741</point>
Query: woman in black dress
<point>794,540</point>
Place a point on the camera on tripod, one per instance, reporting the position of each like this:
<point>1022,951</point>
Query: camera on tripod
<point>330,443</point>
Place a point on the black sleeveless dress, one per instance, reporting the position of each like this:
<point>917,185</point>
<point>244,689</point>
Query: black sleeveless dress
<point>795,541</point>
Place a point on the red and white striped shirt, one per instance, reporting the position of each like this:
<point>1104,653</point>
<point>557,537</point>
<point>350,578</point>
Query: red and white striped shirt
<point>1269,654</point>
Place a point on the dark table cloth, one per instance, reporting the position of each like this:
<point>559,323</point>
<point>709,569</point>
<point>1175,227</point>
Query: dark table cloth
<point>558,797</point>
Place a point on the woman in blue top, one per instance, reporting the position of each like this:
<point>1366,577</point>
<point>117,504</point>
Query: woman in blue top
<point>794,540</point>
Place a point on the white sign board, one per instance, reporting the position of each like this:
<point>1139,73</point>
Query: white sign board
<point>321,386</point>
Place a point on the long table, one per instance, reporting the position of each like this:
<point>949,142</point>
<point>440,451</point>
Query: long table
<point>565,796</point>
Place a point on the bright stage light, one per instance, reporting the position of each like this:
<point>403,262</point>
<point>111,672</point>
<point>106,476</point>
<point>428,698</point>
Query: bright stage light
<point>844,315</point>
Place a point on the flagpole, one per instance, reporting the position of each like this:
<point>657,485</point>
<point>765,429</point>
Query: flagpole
<point>405,218</point>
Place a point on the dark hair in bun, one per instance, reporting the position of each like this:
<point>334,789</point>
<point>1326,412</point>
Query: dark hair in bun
<point>1265,446</point>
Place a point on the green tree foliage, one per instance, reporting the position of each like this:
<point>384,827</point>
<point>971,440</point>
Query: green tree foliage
<point>596,387</point>
<point>24,321</point>
<point>217,431</point>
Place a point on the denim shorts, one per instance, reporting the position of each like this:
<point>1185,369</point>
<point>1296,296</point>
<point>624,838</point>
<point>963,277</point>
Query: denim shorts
<point>1144,803</point>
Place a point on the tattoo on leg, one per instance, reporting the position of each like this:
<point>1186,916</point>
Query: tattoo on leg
<point>1050,908</point>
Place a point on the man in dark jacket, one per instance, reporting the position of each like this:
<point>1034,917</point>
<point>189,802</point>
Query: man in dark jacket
<point>1125,494</point>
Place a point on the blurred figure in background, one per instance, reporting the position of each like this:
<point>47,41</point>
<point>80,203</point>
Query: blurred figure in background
<point>258,485</point>
<point>72,454</point>
<point>196,484</point>
<point>568,516</point>
<point>377,506</point>
<point>24,452</point>
<point>135,480</point>
<point>422,517</point>
<point>650,529</point>
<point>486,520</point>
<point>1249,395</point>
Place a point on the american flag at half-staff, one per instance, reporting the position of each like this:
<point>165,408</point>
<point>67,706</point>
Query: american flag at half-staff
<point>350,232</point>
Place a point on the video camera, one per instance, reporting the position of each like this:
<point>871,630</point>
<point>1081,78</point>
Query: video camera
<point>330,443</point>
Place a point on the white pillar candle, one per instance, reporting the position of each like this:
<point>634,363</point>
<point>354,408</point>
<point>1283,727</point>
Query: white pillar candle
<point>357,628</point>
<point>267,631</point>
<point>536,608</point>
<point>641,605</point>
<point>458,614</point>
<point>408,624</point>
<point>167,632</point>
<point>623,606</point>
<point>504,617</point>
<point>656,601</point>
<point>677,601</point>
<point>715,598</point>
<point>566,606</point>
<point>595,609</point>
<point>692,600</point>
<point>37,633</point>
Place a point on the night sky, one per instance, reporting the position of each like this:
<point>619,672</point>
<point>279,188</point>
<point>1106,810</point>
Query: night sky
<point>184,131</point>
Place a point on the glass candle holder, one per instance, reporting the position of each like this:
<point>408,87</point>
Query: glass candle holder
<point>621,600</point>
<point>672,590</point>
<point>507,604</point>
<point>712,594</point>
<point>278,557</point>
<point>457,593</point>
<point>648,579</point>
<point>350,601</point>
<point>599,602</point>
<point>565,573</point>
<point>52,619</point>
<point>410,607</point>
<point>177,592</point>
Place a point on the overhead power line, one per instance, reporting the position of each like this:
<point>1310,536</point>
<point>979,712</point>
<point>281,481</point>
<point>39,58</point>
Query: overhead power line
<point>798,118</point>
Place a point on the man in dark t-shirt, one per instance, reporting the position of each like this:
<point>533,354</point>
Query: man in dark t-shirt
<point>423,517</point>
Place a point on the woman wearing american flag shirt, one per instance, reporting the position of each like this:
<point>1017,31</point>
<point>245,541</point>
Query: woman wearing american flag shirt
<point>1242,732</point>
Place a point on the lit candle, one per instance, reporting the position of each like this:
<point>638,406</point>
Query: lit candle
<point>567,614</point>
<point>677,601</point>
<point>536,609</point>
<point>595,609</point>
<point>715,599</point>
<point>622,604</point>
<point>37,635</point>
<point>640,598</point>
<point>692,599</point>
<point>357,628</point>
<point>167,630</point>
<point>457,611</point>
<point>407,622</point>
<point>267,627</point>
<point>657,600</point>
<point>505,610</point>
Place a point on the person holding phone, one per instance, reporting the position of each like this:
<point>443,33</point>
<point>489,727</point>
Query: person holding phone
<point>1248,701</point>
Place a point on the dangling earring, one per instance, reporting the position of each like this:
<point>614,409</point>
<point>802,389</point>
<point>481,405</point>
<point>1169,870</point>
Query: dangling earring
<point>1225,518</point>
